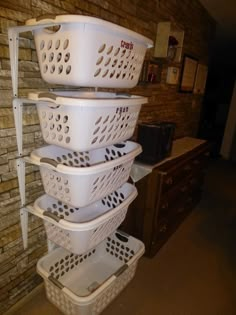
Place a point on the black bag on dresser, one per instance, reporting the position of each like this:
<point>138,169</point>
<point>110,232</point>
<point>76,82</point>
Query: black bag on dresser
<point>156,139</point>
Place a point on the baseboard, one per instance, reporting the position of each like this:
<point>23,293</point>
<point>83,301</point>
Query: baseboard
<point>24,300</point>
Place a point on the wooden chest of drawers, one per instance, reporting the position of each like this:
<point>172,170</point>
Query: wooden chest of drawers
<point>168,194</point>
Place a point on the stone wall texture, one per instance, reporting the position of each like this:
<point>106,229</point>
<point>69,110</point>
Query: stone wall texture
<point>17,266</point>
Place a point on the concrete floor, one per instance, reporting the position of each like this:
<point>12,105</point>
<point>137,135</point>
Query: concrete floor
<point>195,271</point>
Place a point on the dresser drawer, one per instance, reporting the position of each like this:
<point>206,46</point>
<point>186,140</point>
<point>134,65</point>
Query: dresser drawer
<point>171,176</point>
<point>200,162</point>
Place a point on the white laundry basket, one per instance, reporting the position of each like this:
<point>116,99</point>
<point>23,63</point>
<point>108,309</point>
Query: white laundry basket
<point>86,284</point>
<point>83,121</point>
<point>79,179</point>
<point>80,229</point>
<point>87,51</point>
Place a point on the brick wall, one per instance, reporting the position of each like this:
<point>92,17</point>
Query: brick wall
<point>17,266</point>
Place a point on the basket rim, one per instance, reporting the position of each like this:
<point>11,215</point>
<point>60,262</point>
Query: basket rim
<point>88,225</point>
<point>91,170</point>
<point>73,18</point>
<point>92,297</point>
<point>87,98</point>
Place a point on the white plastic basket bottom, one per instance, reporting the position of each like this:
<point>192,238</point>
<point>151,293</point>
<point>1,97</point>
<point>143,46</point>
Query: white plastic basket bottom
<point>86,51</point>
<point>80,229</point>
<point>78,179</point>
<point>86,284</point>
<point>83,121</point>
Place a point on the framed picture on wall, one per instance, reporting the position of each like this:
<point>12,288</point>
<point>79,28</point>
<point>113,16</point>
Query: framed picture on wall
<point>188,74</point>
<point>151,72</point>
<point>200,80</point>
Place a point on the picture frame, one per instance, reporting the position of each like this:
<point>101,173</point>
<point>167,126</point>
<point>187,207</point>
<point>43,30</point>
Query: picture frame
<point>188,74</point>
<point>200,80</point>
<point>151,72</point>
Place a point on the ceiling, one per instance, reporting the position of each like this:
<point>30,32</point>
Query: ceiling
<point>224,12</point>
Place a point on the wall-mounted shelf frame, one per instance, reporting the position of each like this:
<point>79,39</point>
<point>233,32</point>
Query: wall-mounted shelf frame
<point>164,31</point>
<point>17,103</point>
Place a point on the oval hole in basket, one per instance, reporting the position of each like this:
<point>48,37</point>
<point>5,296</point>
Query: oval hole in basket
<point>51,56</point>
<point>128,54</point>
<point>59,55</point>
<point>105,73</point>
<point>94,140</point>
<point>60,69</point>
<point>44,124</point>
<point>112,73</point>
<point>67,139</point>
<point>99,120</point>
<point>65,119</point>
<point>96,131</point>
<point>101,48</point>
<point>110,129</point>
<point>123,52</point>
<point>118,75</point>
<point>66,43</point>
<point>44,57</point>
<point>96,180</point>
<point>57,43</point>
<point>42,44</point>
<point>49,46</point>
<point>104,129</point>
<point>109,50</point>
<point>52,70</point>
<point>102,138</point>
<point>99,61</point>
<point>114,135</point>
<point>66,129</point>
<point>52,126</point>
<point>107,61</point>
<point>68,70</point>
<point>126,65</point>
<point>121,63</point>
<point>97,72</point>
<point>106,119</point>
<point>45,68</point>
<point>117,51</point>
<point>67,57</point>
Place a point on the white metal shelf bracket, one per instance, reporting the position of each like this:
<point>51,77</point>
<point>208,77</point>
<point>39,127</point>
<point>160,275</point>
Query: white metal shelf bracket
<point>24,226</point>
<point>13,38</point>
<point>20,166</point>
<point>17,110</point>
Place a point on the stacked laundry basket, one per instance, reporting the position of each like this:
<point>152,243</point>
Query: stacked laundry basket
<point>88,159</point>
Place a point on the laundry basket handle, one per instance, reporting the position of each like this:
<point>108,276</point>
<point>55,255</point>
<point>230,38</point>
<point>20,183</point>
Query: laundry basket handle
<point>120,270</point>
<point>51,215</point>
<point>49,161</point>
<point>56,282</point>
<point>122,236</point>
<point>51,96</point>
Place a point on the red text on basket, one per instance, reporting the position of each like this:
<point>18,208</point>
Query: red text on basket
<point>126,45</point>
